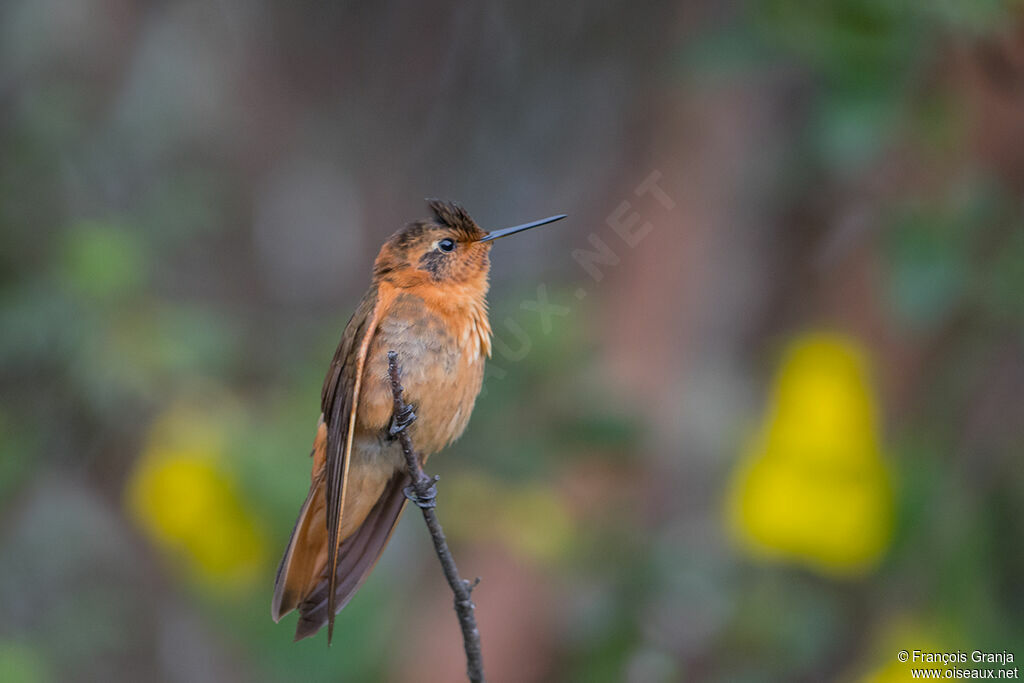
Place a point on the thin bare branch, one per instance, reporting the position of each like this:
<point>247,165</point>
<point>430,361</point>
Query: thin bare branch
<point>423,492</point>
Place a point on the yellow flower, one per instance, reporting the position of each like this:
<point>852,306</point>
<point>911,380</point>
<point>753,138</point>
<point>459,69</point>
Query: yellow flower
<point>187,503</point>
<point>530,519</point>
<point>535,522</point>
<point>812,486</point>
<point>904,640</point>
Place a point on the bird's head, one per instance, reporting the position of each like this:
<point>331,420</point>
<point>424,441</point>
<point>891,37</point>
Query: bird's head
<point>447,249</point>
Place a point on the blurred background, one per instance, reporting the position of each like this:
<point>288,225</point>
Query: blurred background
<point>755,411</point>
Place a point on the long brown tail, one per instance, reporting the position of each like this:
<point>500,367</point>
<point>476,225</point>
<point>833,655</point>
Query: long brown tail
<point>302,577</point>
<point>305,556</point>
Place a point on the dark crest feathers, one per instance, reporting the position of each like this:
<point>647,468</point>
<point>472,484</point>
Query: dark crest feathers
<point>446,214</point>
<point>454,216</point>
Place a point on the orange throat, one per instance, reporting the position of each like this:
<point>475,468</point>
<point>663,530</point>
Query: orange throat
<point>463,307</point>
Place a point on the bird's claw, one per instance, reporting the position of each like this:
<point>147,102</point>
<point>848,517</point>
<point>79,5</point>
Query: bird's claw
<point>424,497</point>
<point>401,420</point>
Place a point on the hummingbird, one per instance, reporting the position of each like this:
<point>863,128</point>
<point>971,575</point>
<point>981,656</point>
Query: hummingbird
<point>427,302</point>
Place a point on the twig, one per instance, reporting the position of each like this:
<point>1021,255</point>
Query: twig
<point>423,492</point>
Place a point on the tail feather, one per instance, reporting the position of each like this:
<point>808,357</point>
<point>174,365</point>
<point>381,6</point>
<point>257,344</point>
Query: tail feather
<point>358,554</point>
<point>301,581</point>
<point>305,556</point>
<point>306,553</point>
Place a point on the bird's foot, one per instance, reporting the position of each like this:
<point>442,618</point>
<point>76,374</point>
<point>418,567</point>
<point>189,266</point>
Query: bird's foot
<point>401,420</point>
<point>424,497</point>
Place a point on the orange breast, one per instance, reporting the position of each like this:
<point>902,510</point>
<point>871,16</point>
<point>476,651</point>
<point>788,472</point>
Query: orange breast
<point>442,359</point>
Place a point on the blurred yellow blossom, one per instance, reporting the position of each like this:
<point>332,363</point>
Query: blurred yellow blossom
<point>903,637</point>
<point>812,486</point>
<point>185,500</point>
<point>530,519</point>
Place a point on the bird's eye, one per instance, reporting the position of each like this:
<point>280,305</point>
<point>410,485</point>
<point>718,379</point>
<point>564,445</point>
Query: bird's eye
<point>447,244</point>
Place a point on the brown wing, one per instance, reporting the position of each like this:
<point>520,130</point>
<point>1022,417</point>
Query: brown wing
<point>339,402</point>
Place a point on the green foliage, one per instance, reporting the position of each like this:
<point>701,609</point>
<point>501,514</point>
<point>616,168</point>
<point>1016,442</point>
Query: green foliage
<point>927,250</point>
<point>103,260</point>
<point>960,251</point>
<point>23,664</point>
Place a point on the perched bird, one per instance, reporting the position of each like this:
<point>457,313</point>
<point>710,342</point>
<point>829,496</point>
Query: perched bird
<point>428,303</point>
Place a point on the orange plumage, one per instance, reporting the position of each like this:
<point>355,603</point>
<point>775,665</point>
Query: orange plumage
<point>428,303</point>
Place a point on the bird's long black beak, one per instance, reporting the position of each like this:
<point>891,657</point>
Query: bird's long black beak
<point>505,232</point>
